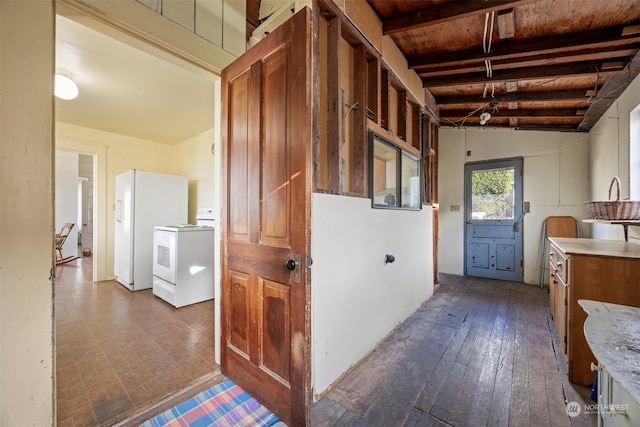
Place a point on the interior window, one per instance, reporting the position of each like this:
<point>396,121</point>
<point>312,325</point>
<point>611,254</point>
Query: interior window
<point>385,159</point>
<point>410,181</point>
<point>395,176</point>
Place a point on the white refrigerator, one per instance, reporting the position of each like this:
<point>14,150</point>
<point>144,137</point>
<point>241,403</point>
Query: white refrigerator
<point>144,200</point>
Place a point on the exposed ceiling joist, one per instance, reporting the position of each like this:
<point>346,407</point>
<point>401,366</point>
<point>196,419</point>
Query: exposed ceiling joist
<point>445,13</point>
<point>518,74</point>
<point>610,91</point>
<point>554,65</point>
<point>520,113</point>
<point>566,95</point>
<point>610,60</point>
<point>607,39</point>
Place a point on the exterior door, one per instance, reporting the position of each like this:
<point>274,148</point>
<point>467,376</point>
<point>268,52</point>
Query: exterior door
<point>266,139</point>
<point>493,211</point>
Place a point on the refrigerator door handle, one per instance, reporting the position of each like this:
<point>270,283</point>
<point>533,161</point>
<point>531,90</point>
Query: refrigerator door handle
<point>119,211</point>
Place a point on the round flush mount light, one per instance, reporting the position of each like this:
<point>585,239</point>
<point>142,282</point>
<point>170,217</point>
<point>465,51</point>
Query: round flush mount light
<point>484,118</point>
<point>65,87</point>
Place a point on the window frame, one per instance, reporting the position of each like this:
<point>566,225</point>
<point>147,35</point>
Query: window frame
<point>400,153</point>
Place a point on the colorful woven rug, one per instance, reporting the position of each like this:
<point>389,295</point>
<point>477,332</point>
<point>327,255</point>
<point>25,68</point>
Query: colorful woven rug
<point>223,405</point>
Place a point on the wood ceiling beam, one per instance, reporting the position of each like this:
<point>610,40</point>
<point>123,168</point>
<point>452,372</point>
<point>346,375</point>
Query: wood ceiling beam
<point>519,74</point>
<point>520,113</point>
<point>603,39</point>
<point>610,91</point>
<point>549,128</point>
<point>447,12</point>
<point>622,54</point>
<point>563,95</point>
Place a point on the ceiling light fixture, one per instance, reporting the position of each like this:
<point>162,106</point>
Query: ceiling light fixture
<point>484,118</point>
<point>65,87</point>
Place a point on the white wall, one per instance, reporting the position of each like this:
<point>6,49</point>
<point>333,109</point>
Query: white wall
<point>26,213</point>
<point>115,154</point>
<point>27,395</point>
<point>194,158</point>
<point>556,182</point>
<point>610,141</point>
<point>67,198</point>
<point>356,300</point>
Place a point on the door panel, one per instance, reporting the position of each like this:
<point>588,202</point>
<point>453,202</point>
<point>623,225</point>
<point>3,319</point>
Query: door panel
<point>480,255</point>
<point>239,307</point>
<point>493,210</point>
<point>275,159</point>
<point>266,155</point>
<point>505,257</point>
<point>239,93</point>
<point>277,338</point>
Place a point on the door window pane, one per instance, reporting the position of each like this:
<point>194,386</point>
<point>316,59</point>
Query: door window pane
<point>492,194</point>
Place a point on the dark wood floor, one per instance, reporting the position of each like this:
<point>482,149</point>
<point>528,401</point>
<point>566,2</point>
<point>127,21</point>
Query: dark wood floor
<point>480,352</point>
<point>120,352</point>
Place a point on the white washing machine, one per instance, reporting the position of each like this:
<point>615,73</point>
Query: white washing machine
<point>183,261</point>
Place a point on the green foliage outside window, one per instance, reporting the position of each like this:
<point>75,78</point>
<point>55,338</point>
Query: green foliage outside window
<point>492,182</point>
<point>493,194</point>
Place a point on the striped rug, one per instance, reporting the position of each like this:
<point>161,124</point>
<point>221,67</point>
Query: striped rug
<point>222,405</point>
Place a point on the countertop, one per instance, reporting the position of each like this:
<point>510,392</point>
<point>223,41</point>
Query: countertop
<point>610,248</point>
<point>613,333</point>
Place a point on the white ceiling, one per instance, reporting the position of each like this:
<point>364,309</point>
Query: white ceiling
<point>129,91</point>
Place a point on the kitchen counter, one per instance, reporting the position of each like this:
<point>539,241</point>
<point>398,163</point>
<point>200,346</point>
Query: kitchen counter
<point>613,333</point>
<point>588,269</point>
<point>607,248</point>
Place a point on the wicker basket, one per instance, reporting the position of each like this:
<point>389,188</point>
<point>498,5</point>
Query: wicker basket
<point>614,209</point>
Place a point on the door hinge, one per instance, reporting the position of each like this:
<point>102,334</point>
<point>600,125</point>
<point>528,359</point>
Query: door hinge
<point>565,301</point>
<point>565,339</point>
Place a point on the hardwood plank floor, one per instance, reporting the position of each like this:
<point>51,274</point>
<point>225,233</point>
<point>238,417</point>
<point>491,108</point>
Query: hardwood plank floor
<point>479,352</point>
<point>120,352</point>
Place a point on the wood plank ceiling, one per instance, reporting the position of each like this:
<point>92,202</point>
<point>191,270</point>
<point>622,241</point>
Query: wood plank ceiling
<point>531,64</point>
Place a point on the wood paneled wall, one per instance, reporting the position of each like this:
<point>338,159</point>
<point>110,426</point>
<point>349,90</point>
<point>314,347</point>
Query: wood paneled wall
<point>222,22</point>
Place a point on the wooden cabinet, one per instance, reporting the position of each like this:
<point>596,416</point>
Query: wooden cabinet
<point>599,270</point>
<point>616,407</point>
<point>558,294</point>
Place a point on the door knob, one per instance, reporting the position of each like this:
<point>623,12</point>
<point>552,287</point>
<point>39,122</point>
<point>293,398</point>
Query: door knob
<point>470,221</point>
<point>291,265</point>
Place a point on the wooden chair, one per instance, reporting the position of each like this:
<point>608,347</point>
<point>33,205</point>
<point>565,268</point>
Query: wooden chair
<point>60,239</point>
<point>554,226</point>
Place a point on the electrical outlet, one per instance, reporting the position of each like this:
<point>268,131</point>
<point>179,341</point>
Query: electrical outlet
<point>454,208</point>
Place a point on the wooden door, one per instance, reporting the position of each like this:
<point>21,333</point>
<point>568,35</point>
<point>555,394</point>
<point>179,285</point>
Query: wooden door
<point>266,139</point>
<point>493,210</point>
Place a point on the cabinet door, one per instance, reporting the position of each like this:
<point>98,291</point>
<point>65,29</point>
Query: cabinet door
<point>553,286</point>
<point>560,320</point>
<point>616,406</point>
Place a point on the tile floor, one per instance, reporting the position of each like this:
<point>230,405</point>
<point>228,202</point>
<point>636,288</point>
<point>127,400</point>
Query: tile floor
<point>119,352</point>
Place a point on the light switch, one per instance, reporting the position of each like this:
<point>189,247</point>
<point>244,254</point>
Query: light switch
<point>454,208</point>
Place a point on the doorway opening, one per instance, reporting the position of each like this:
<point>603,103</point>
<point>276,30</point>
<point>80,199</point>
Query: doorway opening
<point>120,352</point>
<point>493,215</point>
